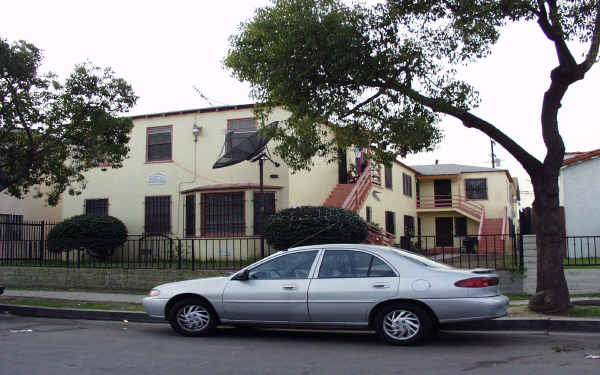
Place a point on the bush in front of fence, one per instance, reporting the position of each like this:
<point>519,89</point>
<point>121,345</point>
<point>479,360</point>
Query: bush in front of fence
<point>313,225</point>
<point>99,235</point>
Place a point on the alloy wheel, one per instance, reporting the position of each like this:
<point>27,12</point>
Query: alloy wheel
<point>193,318</point>
<point>401,324</point>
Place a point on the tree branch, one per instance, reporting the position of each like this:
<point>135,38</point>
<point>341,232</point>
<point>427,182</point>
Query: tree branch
<point>554,32</point>
<point>362,104</point>
<point>592,54</point>
<point>529,162</point>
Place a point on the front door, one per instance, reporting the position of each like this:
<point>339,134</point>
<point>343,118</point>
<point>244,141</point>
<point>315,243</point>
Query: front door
<point>442,191</point>
<point>276,291</point>
<point>349,283</point>
<point>443,232</point>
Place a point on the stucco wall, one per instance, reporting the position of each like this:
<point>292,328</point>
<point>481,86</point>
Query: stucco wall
<point>382,199</point>
<point>31,208</point>
<point>580,190</point>
<point>126,187</point>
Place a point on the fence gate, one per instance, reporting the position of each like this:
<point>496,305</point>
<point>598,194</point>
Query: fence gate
<point>20,239</point>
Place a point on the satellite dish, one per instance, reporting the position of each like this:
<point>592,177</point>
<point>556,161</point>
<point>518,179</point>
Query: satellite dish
<point>247,149</point>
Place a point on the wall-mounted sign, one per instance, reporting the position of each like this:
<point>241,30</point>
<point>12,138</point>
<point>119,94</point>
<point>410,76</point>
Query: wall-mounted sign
<point>158,178</point>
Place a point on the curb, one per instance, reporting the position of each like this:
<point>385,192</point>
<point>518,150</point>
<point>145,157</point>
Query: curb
<point>547,325</point>
<point>52,312</point>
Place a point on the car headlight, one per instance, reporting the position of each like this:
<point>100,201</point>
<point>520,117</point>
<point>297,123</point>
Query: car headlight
<point>154,292</point>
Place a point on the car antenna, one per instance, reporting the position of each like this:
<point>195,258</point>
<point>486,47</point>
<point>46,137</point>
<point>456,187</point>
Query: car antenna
<point>313,235</point>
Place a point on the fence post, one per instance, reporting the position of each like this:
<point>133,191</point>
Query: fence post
<point>42,239</point>
<point>193,256</point>
<point>179,253</point>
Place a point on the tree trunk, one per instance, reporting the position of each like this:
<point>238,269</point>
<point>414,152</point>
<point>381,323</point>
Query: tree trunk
<point>552,293</point>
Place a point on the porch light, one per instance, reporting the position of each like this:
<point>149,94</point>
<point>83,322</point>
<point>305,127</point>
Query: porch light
<point>196,130</point>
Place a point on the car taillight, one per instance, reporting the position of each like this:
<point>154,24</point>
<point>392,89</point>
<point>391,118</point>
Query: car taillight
<point>477,282</point>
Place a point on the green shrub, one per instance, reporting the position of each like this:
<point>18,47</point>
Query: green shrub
<point>309,225</point>
<point>99,235</point>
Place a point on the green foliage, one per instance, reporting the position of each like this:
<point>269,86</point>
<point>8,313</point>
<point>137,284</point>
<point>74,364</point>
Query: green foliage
<point>309,225</point>
<point>52,132</point>
<point>99,235</point>
<point>381,76</point>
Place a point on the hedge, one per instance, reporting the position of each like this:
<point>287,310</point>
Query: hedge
<point>312,225</point>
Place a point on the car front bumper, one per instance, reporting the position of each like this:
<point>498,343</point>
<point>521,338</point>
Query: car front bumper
<point>452,310</point>
<point>155,307</point>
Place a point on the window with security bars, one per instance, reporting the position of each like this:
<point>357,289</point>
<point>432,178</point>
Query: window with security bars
<point>190,215</point>
<point>406,185</point>
<point>96,206</point>
<point>476,188</point>
<point>388,177</point>
<point>159,143</point>
<point>390,222</point>
<point>223,214</point>
<point>409,225</point>
<point>269,209</point>
<point>157,214</point>
<point>238,130</point>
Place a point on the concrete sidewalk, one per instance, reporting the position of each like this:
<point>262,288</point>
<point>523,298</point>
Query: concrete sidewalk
<point>76,296</point>
<point>543,323</point>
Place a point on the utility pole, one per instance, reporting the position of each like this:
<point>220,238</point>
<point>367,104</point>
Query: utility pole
<point>493,156</point>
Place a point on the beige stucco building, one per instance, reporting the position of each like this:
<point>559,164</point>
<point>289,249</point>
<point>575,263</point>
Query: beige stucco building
<point>168,185</point>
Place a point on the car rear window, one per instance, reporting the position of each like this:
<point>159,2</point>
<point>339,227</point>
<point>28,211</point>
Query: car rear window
<point>422,260</point>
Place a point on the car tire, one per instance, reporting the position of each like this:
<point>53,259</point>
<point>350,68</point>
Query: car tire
<point>192,317</point>
<point>403,324</point>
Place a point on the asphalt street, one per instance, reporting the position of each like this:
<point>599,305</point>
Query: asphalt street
<point>60,346</point>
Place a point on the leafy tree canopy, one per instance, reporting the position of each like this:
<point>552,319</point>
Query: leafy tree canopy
<point>51,131</point>
<point>381,76</point>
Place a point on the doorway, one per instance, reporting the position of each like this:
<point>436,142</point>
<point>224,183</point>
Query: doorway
<point>442,191</point>
<point>443,232</point>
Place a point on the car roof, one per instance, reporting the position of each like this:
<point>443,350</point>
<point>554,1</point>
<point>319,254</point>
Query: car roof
<point>383,250</point>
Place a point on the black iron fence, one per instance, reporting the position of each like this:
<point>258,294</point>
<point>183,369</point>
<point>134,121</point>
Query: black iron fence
<point>501,252</point>
<point>145,252</point>
<point>581,251</point>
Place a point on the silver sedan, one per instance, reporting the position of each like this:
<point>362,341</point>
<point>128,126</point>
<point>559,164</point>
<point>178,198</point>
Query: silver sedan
<point>404,297</point>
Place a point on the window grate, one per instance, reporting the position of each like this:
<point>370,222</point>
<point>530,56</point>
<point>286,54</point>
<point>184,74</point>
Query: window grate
<point>476,188</point>
<point>96,206</point>
<point>223,214</point>
<point>157,214</point>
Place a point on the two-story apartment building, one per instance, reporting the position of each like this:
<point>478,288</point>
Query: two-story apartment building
<point>454,201</point>
<point>168,185</point>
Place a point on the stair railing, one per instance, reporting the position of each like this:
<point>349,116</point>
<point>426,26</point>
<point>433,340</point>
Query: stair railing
<point>358,194</point>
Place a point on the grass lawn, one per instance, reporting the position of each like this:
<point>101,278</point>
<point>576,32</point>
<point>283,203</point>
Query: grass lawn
<point>68,304</point>
<point>581,263</point>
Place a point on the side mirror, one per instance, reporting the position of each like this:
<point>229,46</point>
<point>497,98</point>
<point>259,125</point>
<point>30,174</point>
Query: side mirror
<point>242,275</point>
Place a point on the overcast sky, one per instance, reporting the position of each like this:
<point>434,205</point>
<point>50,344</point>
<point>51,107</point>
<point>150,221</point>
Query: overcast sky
<point>164,49</point>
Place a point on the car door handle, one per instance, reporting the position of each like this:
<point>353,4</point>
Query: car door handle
<point>380,286</point>
<point>288,287</point>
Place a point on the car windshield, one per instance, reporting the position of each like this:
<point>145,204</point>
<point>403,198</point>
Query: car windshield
<point>417,258</point>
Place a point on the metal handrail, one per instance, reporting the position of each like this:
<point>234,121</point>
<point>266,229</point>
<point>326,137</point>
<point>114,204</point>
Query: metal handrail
<point>362,186</point>
<point>451,201</point>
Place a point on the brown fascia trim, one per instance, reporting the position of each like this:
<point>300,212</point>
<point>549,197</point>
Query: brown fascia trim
<point>222,187</point>
<point>582,157</point>
<point>407,167</point>
<point>499,170</point>
<point>197,110</point>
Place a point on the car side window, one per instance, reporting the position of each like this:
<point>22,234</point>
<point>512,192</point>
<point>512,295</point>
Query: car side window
<point>344,264</point>
<point>380,269</point>
<point>338,264</point>
<point>285,267</point>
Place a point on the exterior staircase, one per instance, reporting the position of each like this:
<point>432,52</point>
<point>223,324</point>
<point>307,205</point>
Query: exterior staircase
<point>338,195</point>
<point>491,238</point>
<point>352,197</point>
